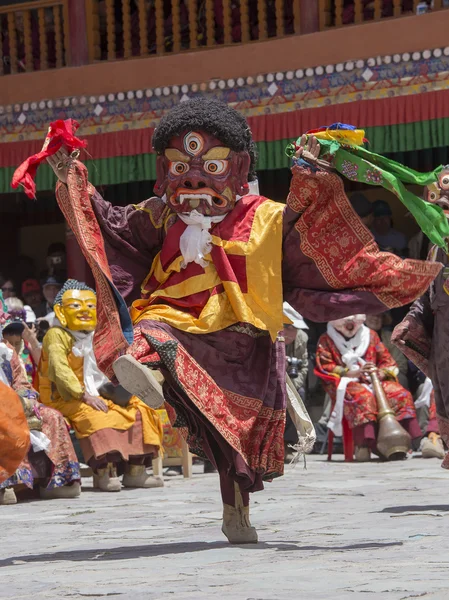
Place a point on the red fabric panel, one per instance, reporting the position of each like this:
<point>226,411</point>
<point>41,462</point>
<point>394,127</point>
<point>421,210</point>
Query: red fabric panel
<point>265,128</point>
<point>366,113</point>
<point>129,142</point>
<point>230,267</point>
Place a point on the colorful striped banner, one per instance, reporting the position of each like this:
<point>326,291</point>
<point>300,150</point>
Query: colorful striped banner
<point>393,126</point>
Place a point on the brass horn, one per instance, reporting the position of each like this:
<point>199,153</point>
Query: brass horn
<point>393,442</point>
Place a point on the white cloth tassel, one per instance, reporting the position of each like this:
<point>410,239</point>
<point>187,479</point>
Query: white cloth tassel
<point>39,441</point>
<point>425,394</point>
<point>196,241</point>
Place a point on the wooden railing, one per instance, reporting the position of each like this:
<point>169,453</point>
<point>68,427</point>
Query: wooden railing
<point>127,28</point>
<point>337,13</point>
<point>34,36</point>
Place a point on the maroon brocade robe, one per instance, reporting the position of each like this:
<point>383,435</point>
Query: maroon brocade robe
<point>427,342</point>
<point>227,389</point>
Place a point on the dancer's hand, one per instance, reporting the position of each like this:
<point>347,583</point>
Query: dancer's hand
<point>400,335</point>
<point>60,162</point>
<point>309,148</point>
<point>95,402</point>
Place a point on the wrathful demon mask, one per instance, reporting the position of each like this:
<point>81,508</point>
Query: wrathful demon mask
<point>438,192</point>
<point>206,157</point>
<point>76,306</point>
<point>349,326</point>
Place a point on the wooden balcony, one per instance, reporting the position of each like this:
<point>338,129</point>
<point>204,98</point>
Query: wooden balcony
<point>34,36</point>
<point>39,34</point>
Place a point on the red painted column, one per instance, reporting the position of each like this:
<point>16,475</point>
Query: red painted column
<point>79,49</point>
<point>309,15</point>
<point>77,267</point>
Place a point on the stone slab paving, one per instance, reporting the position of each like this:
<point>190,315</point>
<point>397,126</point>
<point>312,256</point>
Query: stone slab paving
<point>334,531</point>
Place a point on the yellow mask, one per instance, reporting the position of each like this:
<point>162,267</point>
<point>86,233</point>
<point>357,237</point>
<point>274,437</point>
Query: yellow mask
<point>78,310</point>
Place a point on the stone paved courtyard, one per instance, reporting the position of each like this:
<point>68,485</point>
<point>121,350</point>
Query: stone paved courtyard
<point>338,531</point>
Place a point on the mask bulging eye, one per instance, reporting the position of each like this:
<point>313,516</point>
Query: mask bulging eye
<point>433,197</point>
<point>444,182</point>
<point>216,167</point>
<point>193,143</point>
<point>178,168</point>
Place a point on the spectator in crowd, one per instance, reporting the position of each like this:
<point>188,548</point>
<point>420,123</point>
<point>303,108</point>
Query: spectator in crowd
<point>363,208</point>
<point>50,464</point>
<point>9,289</point>
<point>19,332</point>
<point>344,357</point>
<point>296,348</point>
<point>116,432</point>
<point>423,393</point>
<point>42,326</point>
<point>51,288</point>
<point>419,246</point>
<point>383,326</point>
<point>56,262</point>
<point>387,238</point>
<point>32,296</point>
<point>297,365</point>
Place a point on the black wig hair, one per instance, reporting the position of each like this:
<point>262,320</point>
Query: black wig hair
<point>213,117</point>
<point>71,284</point>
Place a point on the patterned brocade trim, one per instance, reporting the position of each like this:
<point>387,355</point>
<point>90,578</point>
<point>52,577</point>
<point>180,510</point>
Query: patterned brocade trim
<point>255,431</point>
<point>75,204</point>
<point>248,329</point>
<point>331,234</point>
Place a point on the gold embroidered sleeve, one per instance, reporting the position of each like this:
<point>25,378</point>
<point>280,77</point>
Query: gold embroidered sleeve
<point>57,346</point>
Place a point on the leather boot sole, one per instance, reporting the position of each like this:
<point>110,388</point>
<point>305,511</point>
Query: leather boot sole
<point>138,380</point>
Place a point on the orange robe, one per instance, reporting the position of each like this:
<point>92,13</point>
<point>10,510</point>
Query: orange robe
<point>14,432</point>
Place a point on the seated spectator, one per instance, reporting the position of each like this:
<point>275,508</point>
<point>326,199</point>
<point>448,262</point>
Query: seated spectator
<point>422,389</point>
<point>32,296</point>
<point>345,354</point>
<point>297,365</point>
<point>419,246</point>
<point>19,332</point>
<point>50,463</point>
<point>387,238</point>
<point>363,208</point>
<point>50,289</point>
<point>117,432</point>
<point>383,326</point>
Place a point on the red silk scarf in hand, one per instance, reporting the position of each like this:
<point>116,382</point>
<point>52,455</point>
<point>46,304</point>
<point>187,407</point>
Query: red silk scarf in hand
<point>60,133</point>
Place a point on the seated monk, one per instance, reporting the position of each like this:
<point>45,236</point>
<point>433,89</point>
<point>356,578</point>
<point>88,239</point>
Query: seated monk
<point>117,432</point>
<point>344,356</point>
<point>49,461</point>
